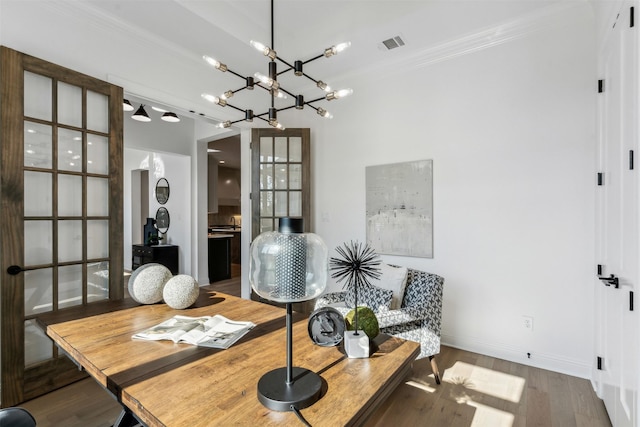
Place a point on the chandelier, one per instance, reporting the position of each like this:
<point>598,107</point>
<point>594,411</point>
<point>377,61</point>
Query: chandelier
<point>271,84</point>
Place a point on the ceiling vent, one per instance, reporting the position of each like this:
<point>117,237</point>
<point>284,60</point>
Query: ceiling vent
<point>393,43</point>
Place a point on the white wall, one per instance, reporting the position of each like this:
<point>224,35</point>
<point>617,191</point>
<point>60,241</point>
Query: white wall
<point>511,132</point>
<point>165,150</point>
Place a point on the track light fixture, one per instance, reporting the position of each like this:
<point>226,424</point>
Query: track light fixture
<point>271,84</point>
<point>126,105</point>
<point>141,115</point>
<point>170,117</point>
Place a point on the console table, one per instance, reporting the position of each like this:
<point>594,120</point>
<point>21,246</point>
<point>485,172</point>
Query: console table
<point>166,255</point>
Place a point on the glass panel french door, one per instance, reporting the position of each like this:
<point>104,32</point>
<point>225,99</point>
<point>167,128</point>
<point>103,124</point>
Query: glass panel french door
<point>61,234</point>
<point>281,177</point>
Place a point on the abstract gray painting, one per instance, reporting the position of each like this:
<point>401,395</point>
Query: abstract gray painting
<point>400,208</point>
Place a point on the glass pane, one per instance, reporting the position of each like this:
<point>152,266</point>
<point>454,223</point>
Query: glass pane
<point>97,281</point>
<point>37,193</point>
<point>266,224</point>
<point>266,203</point>
<point>280,176</point>
<point>69,241</point>
<point>295,177</point>
<point>38,242</point>
<point>69,104</point>
<point>37,346</point>
<point>97,239</point>
<point>97,154</point>
<point>295,149</point>
<point>37,96</point>
<point>280,205</point>
<point>97,112</point>
<point>280,149</point>
<point>266,149</point>
<point>38,145</point>
<point>69,195</point>
<point>38,296</point>
<point>97,196</point>
<point>69,150</point>
<point>266,177</point>
<point>295,203</point>
<point>69,285</point>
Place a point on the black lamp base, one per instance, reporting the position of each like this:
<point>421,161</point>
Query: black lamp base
<point>277,395</point>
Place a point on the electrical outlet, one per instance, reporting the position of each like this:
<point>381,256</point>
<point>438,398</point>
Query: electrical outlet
<point>527,322</point>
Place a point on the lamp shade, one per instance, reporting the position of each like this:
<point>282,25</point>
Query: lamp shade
<point>141,115</point>
<point>288,265</point>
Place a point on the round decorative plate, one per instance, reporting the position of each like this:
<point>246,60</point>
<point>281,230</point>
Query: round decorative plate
<point>326,327</point>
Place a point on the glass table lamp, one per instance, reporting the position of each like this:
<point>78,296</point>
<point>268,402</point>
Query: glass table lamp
<point>288,266</point>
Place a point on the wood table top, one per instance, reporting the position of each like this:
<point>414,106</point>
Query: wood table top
<point>167,384</point>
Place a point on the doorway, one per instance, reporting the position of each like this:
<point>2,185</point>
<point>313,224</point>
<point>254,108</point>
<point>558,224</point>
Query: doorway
<point>224,213</point>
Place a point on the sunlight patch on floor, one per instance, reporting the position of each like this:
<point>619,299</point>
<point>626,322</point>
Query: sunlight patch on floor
<point>486,381</point>
<point>421,386</point>
<point>489,416</point>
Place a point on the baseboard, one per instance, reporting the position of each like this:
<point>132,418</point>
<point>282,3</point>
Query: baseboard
<point>551,362</point>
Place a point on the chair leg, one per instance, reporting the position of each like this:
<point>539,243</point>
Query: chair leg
<point>434,368</point>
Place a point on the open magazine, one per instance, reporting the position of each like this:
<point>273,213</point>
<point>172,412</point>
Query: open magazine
<point>207,331</point>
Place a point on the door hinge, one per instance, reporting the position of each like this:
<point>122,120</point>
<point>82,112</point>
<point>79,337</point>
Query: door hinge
<point>600,178</point>
<point>631,17</point>
<point>600,86</point>
<point>599,269</point>
<point>631,160</point>
<point>251,146</point>
<point>599,362</point>
<point>630,300</point>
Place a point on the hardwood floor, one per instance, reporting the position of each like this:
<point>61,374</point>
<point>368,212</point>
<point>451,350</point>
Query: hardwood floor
<point>476,391</point>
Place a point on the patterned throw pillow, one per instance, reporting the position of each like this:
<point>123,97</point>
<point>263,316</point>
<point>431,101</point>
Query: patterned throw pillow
<point>369,295</point>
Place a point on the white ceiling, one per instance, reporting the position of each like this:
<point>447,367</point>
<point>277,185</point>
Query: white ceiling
<point>88,36</point>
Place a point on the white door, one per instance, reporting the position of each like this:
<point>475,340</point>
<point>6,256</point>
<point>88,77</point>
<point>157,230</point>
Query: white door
<point>617,323</point>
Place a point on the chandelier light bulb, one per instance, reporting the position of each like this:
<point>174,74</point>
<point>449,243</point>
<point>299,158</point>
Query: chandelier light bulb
<point>334,50</point>
<point>266,50</point>
<point>339,94</point>
<point>215,63</point>
<point>223,125</point>
<point>324,113</point>
<point>272,84</point>
<point>228,94</point>
<point>279,94</point>
<point>258,46</point>
<point>322,85</point>
<point>214,99</point>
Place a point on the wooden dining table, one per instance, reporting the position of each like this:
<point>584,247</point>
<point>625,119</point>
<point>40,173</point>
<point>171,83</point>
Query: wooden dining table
<point>161,383</point>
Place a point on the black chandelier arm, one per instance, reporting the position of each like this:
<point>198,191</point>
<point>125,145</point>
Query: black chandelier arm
<point>313,59</point>
<point>315,100</point>
<point>286,108</point>
<point>235,108</point>
<point>286,91</point>
<point>236,74</point>
<point>285,63</point>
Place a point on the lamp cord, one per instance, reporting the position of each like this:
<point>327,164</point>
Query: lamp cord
<point>300,417</point>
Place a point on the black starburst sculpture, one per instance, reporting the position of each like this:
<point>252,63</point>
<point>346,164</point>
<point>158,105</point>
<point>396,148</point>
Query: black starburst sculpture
<point>358,264</point>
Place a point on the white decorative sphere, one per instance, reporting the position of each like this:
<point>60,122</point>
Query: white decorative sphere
<point>147,282</point>
<point>181,291</point>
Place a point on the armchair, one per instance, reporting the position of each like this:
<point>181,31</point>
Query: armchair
<point>419,317</point>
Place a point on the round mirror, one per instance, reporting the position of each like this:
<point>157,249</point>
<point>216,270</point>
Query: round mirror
<point>162,219</point>
<point>162,191</point>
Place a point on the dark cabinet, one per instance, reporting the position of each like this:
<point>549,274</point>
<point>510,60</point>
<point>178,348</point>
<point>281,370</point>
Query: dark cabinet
<point>166,255</point>
<point>219,258</point>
